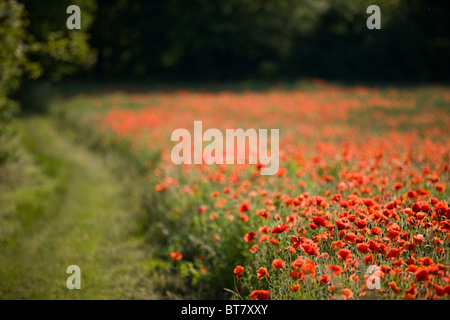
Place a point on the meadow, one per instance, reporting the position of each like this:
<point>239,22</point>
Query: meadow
<point>357,210</point>
<point>361,187</point>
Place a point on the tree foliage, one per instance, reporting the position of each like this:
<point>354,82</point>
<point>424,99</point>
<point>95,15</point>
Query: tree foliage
<point>260,38</point>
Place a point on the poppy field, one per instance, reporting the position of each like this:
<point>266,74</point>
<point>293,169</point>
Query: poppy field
<point>357,210</point>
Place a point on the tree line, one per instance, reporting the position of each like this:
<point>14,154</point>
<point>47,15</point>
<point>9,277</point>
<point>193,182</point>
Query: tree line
<point>219,40</point>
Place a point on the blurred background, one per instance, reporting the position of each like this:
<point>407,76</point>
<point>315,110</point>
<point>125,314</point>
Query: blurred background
<point>232,39</point>
<point>214,41</point>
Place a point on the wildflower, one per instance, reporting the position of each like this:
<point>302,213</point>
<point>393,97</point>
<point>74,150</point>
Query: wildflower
<point>261,273</point>
<point>335,270</point>
<point>363,248</point>
<point>238,271</point>
<point>254,248</point>
<point>393,253</point>
<point>319,221</point>
<point>279,229</point>
<point>176,255</point>
<point>249,237</point>
<point>278,264</point>
<point>344,254</point>
<point>346,294</point>
<point>259,295</point>
<point>324,279</point>
<point>421,274</point>
<point>394,287</point>
<point>295,287</point>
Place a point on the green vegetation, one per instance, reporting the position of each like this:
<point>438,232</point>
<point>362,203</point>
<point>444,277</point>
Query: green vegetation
<point>63,205</point>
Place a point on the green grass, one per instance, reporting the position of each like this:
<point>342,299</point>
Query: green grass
<point>67,207</point>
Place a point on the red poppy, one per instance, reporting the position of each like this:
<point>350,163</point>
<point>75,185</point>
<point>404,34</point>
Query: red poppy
<point>440,187</point>
<point>278,264</point>
<point>176,255</point>
<point>319,221</point>
<point>310,249</point>
<point>393,231</point>
<point>421,274</point>
<point>244,207</point>
<point>337,244</point>
<point>324,279</point>
<point>363,248</point>
<point>360,224</point>
<point>249,237</point>
<point>312,226</point>
<point>393,253</point>
<point>342,225</point>
<point>261,273</point>
<point>279,229</point>
<point>440,290</point>
<point>410,293</point>
<point>394,287</point>
<point>412,268</point>
<point>295,287</point>
<point>254,248</point>
<point>376,231</point>
<point>350,237</point>
<point>263,213</point>
<point>259,295</point>
<point>238,271</point>
<point>346,294</point>
<point>335,270</point>
<point>418,238</point>
<point>295,274</point>
<point>368,260</point>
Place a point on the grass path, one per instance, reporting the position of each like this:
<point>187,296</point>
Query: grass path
<point>92,227</point>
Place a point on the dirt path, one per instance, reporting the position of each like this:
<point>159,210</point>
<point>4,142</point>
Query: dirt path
<point>92,228</point>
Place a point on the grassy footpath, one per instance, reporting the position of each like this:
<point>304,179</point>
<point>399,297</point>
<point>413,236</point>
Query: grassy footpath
<point>77,214</point>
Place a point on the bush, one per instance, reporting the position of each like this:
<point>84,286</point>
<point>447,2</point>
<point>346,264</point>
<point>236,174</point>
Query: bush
<point>13,63</point>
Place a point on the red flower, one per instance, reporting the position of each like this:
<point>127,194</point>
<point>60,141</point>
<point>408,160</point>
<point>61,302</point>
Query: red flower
<point>244,207</point>
<point>368,260</point>
<point>324,279</point>
<point>363,248</point>
<point>398,185</point>
<point>360,224</point>
<point>238,271</point>
<point>393,253</point>
<point>295,274</point>
<point>279,229</point>
<point>342,225</point>
<point>376,231</point>
<point>263,213</point>
<point>254,248</point>
<point>418,238</point>
<point>416,207</point>
<point>440,291</point>
<point>319,221</point>
<point>394,287</point>
<point>411,292</point>
<point>335,270</point>
<point>295,287</point>
<point>346,294</point>
<point>259,295</point>
<point>313,226</point>
<point>421,274</point>
<point>350,237</point>
<point>310,249</point>
<point>249,237</point>
<point>176,255</point>
<point>278,264</point>
<point>261,273</point>
<point>344,254</point>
